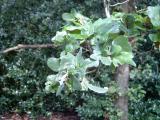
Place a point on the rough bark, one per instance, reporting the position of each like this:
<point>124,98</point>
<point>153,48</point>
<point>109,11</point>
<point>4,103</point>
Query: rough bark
<point>122,78</point>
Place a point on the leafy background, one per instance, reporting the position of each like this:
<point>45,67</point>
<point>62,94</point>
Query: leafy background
<point>23,73</point>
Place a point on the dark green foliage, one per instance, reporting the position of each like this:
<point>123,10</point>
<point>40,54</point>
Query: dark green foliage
<point>147,75</point>
<point>146,110</point>
<point>142,4</point>
<point>23,73</point>
<point>96,106</point>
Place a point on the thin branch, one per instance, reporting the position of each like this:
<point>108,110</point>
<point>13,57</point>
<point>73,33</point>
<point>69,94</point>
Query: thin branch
<point>120,3</point>
<point>92,71</point>
<point>142,10</point>
<point>106,7</point>
<point>23,46</point>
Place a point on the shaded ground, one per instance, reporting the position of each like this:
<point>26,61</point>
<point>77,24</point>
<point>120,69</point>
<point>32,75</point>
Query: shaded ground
<point>55,116</point>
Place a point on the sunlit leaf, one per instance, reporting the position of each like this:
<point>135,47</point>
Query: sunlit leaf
<point>59,90</point>
<point>68,17</point>
<point>154,15</point>
<point>51,77</point>
<point>106,60</point>
<point>97,89</point>
<point>103,26</point>
<point>67,61</point>
<point>52,84</point>
<point>76,85</point>
<point>93,64</point>
<point>53,64</point>
<point>123,42</point>
<point>72,28</point>
<point>116,49</point>
<point>59,37</point>
<point>125,58</point>
<point>155,37</point>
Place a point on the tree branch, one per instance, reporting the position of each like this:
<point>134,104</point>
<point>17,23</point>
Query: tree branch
<point>119,3</point>
<point>23,46</point>
<point>106,4</point>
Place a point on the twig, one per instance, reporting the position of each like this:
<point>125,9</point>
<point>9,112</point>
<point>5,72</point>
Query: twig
<point>119,3</point>
<point>142,10</point>
<point>92,71</point>
<point>106,4</point>
<point>23,46</point>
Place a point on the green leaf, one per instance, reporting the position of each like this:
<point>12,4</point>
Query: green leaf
<point>155,37</point>
<point>85,63</point>
<point>59,37</point>
<point>78,36</point>
<point>103,26</point>
<point>122,41</point>
<point>93,64</point>
<point>115,62</point>
<point>72,28</point>
<point>52,84</point>
<point>95,56</point>
<point>81,19</point>
<point>76,85</point>
<point>88,29</point>
<point>106,60</point>
<point>125,58</point>
<point>96,53</point>
<point>59,90</point>
<point>68,17</point>
<point>97,89</point>
<point>53,64</point>
<point>154,15</point>
<point>70,48</point>
<point>84,84</point>
<point>79,57</point>
<point>122,51</point>
<point>51,78</point>
<point>67,61</point>
<point>116,49</point>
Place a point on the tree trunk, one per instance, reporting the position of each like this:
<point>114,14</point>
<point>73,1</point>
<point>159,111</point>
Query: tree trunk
<point>122,78</point>
<point>122,74</point>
